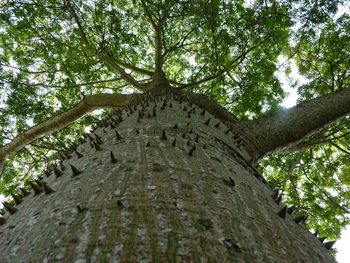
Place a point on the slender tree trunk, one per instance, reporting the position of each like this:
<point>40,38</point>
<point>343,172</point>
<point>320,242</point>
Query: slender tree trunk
<point>177,189</point>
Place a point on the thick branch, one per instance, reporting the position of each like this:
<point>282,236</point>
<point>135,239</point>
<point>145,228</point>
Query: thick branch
<point>290,126</point>
<point>159,78</point>
<point>157,24</point>
<point>110,61</point>
<point>134,68</point>
<point>62,120</point>
<point>77,21</point>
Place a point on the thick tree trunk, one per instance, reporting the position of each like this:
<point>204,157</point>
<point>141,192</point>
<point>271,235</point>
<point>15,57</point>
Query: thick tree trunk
<point>180,190</point>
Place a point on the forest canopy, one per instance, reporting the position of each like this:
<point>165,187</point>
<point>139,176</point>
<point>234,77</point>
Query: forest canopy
<point>54,53</point>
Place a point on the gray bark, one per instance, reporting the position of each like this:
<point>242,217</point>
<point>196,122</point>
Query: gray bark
<point>88,104</point>
<point>288,127</point>
<point>159,201</point>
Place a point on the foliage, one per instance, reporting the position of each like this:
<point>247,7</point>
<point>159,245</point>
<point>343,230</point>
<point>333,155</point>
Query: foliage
<point>225,49</point>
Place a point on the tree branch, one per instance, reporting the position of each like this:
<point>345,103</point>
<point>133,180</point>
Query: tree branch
<point>108,59</point>
<point>309,144</point>
<point>77,21</point>
<point>288,127</point>
<point>196,83</point>
<point>149,15</point>
<point>28,71</point>
<point>134,68</point>
<point>231,77</point>
<point>324,192</point>
<point>226,69</point>
<point>28,84</point>
<point>339,148</point>
<point>62,120</point>
<point>179,43</point>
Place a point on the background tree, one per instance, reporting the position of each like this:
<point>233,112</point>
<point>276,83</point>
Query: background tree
<point>57,54</point>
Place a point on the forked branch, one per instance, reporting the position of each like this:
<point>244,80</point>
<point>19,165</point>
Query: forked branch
<point>106,58</point>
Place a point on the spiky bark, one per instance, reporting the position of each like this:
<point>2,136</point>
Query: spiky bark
<point>170,186</point>
<point>87,104</point>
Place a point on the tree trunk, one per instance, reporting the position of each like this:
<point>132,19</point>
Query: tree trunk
<point>178,189</point>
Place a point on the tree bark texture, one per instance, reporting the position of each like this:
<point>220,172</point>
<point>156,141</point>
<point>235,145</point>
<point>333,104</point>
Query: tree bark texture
<point>177,189</point>
<point>286,128</point>
<point>88,104</point>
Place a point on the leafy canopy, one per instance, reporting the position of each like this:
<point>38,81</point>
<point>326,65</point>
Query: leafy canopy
<point>53,53</point>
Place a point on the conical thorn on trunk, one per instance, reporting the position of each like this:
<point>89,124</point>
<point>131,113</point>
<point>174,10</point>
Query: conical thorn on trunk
<point>291,209</point>
<point>283,212</point>
<point>96,146</point>
<point>75,171</point>
<point>11,209</point>
<point>113,159</point>
<point>300,219</point>
<point>329,245</point>
<point>36,188</point>
<point>16,198</point>
<point>62,166</point>
<point>24,192</point>
<point>174,142</point>
<point>39,182</point>
<point>227,131</point>
<point>47,172</point>
<point>230,182</point>
<point>190,153</point>
<point>321,239</point>
<point>118,136</point>
<point>98,140</point>
<point>279,199</point>
<point>197,138</point>
<point>47,189</point>
<point>79,155</point>
<point>57,172</point>
<point>163,137</point>
<point>275,194</point>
